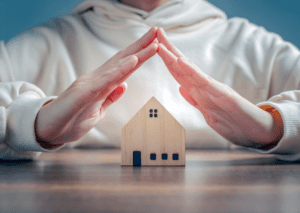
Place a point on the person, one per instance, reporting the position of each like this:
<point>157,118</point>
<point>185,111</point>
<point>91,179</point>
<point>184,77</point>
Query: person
<point>63,82</point>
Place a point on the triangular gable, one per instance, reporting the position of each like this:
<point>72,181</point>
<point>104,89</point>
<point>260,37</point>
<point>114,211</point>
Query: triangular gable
<point>152,100</point>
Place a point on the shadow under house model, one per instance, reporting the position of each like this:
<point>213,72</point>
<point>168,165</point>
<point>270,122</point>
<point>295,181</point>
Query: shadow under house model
<point>153,137</point>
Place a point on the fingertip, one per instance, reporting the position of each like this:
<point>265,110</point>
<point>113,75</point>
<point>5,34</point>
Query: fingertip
<point>165,53</point>
<point>161,48</point>
<point>162,31</point>
<point>153,30</point>
<point>160,45</point>
<point>145,54</point>
<point>150,50</point>
<point>155,41</point>
<point>134,60</point>
<point>162,36</point>
<point>154,47</point>
<point>129,62</point>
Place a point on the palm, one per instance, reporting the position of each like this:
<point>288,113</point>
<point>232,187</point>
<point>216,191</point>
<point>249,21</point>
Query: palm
<point>226,112</point>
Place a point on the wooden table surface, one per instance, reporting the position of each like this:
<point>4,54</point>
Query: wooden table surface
<point>93,181</point>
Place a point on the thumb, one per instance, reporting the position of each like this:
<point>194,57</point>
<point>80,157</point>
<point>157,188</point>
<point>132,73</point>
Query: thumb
<point>187,96</point>
<point>114,96</point>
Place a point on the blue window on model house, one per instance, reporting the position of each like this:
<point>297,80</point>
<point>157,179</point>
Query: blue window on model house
<point>164,156</point>
<point>175,156</point>
<point>152,156</point>
<point>151,113</point>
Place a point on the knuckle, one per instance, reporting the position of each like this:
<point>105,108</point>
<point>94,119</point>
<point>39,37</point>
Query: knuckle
<point>211,121</point>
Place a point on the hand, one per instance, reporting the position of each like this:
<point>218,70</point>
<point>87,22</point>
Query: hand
<point>224,110</point>
<point>79,108</point>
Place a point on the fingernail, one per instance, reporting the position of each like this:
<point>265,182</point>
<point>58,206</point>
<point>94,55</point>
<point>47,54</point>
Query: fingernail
<point>119,90</point>
<point>155,28</point>
<point>116,93</point>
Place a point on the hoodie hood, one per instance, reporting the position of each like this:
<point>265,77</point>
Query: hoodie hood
<point>173,15</point>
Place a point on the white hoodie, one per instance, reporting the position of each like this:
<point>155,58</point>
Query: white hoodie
<point>42,62</point>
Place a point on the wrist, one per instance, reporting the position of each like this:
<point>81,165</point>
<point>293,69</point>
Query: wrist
<point>276,132</point>
<point>43,143</point>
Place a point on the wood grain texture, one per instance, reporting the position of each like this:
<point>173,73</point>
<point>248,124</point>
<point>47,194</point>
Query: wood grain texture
<point>94,181</point>
<point>161,134</point>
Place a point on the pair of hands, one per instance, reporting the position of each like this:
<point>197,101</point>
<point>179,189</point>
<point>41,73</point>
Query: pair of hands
<point>79,108</point>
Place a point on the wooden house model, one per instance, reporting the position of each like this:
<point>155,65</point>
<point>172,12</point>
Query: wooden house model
<point>153,137</point>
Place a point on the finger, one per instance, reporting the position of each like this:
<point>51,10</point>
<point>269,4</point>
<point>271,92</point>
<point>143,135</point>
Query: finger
<point>114,96</point>
<point>103,83</point>
<point>193,71</point>
<point>170,61</point>
<point>140,44</point>
<point>122,70</point>
<point>147,53</point>
<point>191,85</point>
<point>193,74</point>
<point>142,56</point>
<point>162,38</point>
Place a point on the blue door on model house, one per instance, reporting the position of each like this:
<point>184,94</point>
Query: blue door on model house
<point>136,158</point>
<point>153,137</point>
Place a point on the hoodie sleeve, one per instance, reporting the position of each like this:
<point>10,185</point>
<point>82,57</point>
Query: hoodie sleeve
<point>19,104</point>
<point>29,68</point>
<point>278,63</point>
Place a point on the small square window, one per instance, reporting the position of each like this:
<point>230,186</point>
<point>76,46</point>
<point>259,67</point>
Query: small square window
<point>151,110</point>
<point>155,110</point>
<point>151,115</point>
<point>155,115</point>
<point>175,156</point>
<point>164,156</point>
<point>152,156</point>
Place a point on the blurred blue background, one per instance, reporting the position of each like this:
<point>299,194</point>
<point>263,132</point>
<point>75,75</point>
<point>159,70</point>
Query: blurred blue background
<point>279,16</point>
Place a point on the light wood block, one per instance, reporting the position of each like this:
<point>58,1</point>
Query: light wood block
<point>161,134</point>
